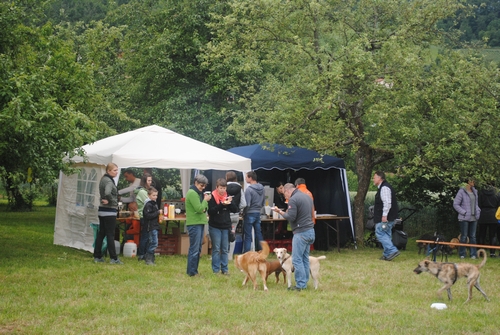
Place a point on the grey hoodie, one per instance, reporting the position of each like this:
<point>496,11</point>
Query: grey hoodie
<point>255,197</point>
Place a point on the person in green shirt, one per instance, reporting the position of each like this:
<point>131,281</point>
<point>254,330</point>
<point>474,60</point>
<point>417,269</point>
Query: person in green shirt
<point>141,194</point>
<point>196,220</point>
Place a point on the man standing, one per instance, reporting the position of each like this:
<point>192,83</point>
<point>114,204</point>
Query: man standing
<point>134,183</point>
<point>385,215</point>
<point>255,198</point>
<point>300,184</point>
<point>299,214</point>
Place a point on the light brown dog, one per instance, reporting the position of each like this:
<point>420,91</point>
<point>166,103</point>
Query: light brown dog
<point>448,273</point>
<point>252,262</point>
<point>286,263</point>
<point>275,266</point>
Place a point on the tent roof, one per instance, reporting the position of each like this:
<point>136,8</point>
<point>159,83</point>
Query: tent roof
<point>158,147</point>
<point>276,156</point>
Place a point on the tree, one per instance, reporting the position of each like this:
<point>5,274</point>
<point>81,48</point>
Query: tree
<point>355,79</point>
<point>49,104</point>
<point>165,84</point>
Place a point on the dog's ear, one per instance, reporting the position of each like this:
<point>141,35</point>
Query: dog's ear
<point>275,250</point>
<point>427,262</point>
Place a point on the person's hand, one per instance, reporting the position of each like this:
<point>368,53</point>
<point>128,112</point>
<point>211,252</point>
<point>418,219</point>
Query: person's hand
<point>133,207</point>
<point>207,196</point>
<point>104,201</point>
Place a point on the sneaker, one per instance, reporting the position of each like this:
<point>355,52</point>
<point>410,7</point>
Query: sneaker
<point>225,274</point>
<point>98,260</point>
<point>392,256</point>
<point>473,257</point>
<point>383,258</point>
<point>493,255</point>
<point>116,261</point>
<point>462,257</point>
<point>295,288</point>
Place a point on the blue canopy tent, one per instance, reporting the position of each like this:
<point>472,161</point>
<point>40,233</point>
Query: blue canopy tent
<point>325,177</point>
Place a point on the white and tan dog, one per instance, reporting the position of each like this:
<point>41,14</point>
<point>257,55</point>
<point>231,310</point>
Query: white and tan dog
<point>286,263</point>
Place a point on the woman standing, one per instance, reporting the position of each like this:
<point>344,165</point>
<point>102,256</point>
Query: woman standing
<point>141,194</point>
<point>107,213</point>
<point>466,204</point>
<point>196,219</point>
<point>219,225</point>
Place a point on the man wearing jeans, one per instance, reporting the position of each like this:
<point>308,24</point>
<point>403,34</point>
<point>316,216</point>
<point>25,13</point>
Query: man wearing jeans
<point>255,198</point>
<point>385,213</point>
<point>299,214</point>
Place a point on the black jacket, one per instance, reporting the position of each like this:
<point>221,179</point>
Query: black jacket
<point>488,201</point>
<point>219,214</point>
<point>150,216</point>
<point>235,190</point>
<point>379,205</point>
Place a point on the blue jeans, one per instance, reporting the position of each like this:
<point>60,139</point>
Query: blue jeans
<point>467,229</point>
<point>220,249</point>
<point>252,220</point>
<point>195,241</point>
<point>152,241</point>
<point>384,236</point>
<point>301,245</point>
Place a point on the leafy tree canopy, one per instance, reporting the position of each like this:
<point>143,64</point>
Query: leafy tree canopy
<point>357,79</point>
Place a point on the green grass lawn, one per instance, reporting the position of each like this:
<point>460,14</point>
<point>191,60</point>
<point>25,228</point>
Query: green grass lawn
<point>50,289</point>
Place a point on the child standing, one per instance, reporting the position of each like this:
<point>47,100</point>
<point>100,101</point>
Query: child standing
<point>150,217</point>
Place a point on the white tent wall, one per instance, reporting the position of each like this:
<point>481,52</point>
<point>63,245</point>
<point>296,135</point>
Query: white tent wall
<point>77,202</point>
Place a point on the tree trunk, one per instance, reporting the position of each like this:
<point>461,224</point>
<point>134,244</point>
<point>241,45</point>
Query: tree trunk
<point>364,167</point>
<point>17,202</point>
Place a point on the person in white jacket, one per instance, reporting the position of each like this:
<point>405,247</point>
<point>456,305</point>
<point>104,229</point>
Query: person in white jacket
<point>134,183</point>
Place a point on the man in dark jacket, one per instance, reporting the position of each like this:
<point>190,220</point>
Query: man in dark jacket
<point>385,215</point>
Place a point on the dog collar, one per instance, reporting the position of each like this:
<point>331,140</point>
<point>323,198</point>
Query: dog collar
<point>285,259</point>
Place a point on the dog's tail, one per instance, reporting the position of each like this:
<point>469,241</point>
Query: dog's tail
<point>479,252</point>
<point>321,257</point>
<point>265,250</point>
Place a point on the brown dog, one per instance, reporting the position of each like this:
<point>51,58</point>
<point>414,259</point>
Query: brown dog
<point>275,266</point>
<point>252,262</point>
<point>448,273</point>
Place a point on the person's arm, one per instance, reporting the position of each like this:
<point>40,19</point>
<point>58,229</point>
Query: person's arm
<point>243,200</point>
<point>291,212</point>
<point>131,187</point>
<point>457,201</point>
<point>194,199</point>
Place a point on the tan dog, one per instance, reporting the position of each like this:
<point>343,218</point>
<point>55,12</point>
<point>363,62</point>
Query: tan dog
<point>286,263</point>
<point>252,262</point>
<point>275,266</point>
<point>448,273</point>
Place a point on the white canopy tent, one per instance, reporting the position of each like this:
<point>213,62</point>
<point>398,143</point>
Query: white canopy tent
<point>78,194</point>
